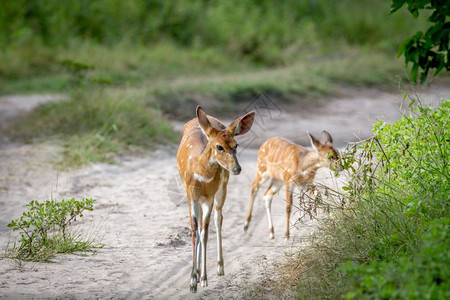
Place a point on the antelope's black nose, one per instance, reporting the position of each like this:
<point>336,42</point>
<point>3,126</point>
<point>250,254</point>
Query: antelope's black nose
<point>237,170</point>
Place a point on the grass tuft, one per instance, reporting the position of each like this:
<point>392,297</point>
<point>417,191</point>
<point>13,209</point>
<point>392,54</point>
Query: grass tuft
<point>95,126</point>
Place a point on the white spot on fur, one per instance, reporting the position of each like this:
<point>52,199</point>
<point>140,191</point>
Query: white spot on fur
<point>202,179</point>
<point>267,197</point>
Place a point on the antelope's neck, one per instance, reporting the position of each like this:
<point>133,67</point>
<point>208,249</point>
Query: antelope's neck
<point>310,162</point>
<point>206,168</point>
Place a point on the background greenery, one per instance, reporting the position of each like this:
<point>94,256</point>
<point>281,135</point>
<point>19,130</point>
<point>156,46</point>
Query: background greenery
<point>122,63</point>
<point>139,41</point>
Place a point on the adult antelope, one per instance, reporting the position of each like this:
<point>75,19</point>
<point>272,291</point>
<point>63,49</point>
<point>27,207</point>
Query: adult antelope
<point>284,162</point>
<point>205,158</point>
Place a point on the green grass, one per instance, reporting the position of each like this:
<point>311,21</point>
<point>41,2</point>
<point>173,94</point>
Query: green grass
<point>94,126</point>
<point>166,66</point>
<point>37,68</point>
<point>304,81</point>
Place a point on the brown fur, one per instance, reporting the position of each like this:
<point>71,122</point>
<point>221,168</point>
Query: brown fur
<point>205,158</point>
<point>286,163</point>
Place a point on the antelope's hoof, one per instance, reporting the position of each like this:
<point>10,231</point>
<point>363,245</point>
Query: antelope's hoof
<point>246,226</point>
<point>204,282</point>
<point>271,236</point>
<point>193,287</point>
<point>220,269</point>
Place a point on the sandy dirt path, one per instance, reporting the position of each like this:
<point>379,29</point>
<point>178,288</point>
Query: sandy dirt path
<point>141,217</point>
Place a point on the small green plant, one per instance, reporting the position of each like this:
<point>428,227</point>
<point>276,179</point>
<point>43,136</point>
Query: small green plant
<point>45,229</point>
<point>76,70</point>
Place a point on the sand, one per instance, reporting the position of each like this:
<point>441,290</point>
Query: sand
<point>141,214</point>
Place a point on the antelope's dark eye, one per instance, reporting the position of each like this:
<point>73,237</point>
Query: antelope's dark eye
<point>220,148</point>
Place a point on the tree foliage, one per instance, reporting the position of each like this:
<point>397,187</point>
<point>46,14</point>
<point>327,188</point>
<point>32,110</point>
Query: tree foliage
<point>427,50</point>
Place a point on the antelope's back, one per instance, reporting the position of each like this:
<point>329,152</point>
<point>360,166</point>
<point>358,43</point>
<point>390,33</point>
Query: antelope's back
<point>279,157</point>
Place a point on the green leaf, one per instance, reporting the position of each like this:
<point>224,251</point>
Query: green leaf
<point>414,71</point>
<point>402,47</point>
<point>396,5</point>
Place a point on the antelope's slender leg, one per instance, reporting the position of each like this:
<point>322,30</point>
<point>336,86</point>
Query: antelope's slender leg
<point>288,207</point>
<point>255,188</point>
<point>274,187</point>
<point>198,244</point>
<point>206,208</point>
<point>194,211</point>
<point>218,218</point>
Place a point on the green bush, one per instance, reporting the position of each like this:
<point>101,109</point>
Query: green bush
<point>391,238</point>
<point>45,229</point>
<point>417,152</point>
<point>421,275</point>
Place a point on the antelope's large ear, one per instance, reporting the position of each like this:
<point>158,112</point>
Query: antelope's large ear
<point>203,121</point>
<point>326,138</point>
<point>315,143</point>
<point>242,124</point>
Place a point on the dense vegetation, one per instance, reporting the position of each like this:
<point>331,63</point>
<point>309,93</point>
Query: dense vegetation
<point>392,240</point>
<point>139,41</point>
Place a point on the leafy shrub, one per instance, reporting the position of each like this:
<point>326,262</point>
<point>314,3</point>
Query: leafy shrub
<point>422,275</point>
<point>417,159</point>
<point>391,238</point>
<point>427,50</point>
<point>45,229</point>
